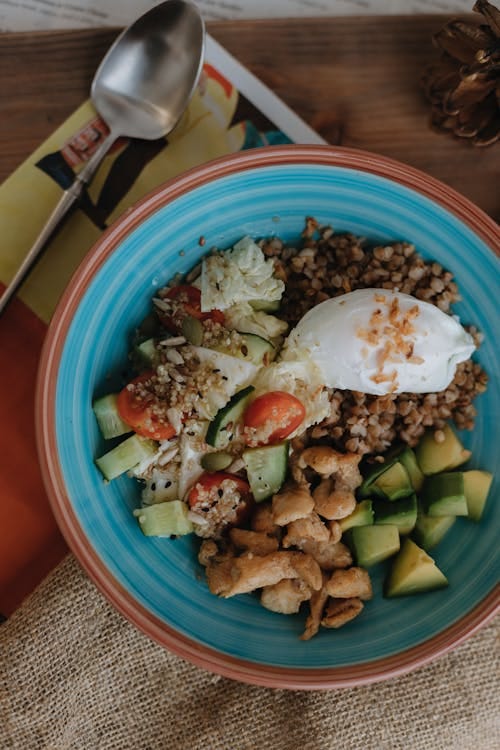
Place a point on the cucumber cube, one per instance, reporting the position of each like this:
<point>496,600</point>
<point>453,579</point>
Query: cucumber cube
<point>125,456</point>
<point>164,519</point>
<point>146,352</point>
<point>110,423</point>
<point>266,469</point>
<point>223,426</point>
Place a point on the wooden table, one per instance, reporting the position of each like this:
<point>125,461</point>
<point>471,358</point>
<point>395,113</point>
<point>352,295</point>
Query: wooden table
<point>355,80</point>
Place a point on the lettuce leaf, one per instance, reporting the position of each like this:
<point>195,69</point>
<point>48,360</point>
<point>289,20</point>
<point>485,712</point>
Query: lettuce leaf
<point>241,274</point>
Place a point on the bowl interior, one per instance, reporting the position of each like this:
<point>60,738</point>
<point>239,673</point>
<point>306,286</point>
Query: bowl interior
<point>163,576</point>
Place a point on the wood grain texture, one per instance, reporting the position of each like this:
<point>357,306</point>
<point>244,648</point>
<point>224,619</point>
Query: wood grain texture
<point>355,80</point>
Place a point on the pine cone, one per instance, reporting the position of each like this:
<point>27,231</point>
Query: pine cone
<point>464,85</point>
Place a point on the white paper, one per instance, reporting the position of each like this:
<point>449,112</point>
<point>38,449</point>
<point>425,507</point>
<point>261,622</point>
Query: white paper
<point>32,15</point>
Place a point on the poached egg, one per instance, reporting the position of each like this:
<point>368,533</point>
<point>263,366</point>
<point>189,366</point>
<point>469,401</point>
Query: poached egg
<point>378,341</point>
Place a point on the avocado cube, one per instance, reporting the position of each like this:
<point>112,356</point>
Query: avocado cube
<point>371,544</point>
<point>393,483</point>
<point>401,513</point>
<point>463,456</point>
<point>476,488</point>
<point>434,457</point>
<point>429,530</point>
<point>413,571</point>
<point>371,472</point>
<point>362,515</point>
<point>408,459</point>
<point>443,494</point>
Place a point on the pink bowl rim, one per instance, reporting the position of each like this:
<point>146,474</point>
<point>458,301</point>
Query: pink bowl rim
<point>203,656</point>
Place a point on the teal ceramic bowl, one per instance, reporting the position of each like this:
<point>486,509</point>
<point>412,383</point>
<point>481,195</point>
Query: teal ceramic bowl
<point>156,583</point>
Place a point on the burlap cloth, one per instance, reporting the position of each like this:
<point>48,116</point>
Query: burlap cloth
<point>75,675</point>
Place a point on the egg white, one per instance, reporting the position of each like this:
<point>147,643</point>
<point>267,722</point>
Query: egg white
<point>328,336</point>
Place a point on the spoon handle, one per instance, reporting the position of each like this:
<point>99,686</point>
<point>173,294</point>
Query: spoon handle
<point>66,201</point>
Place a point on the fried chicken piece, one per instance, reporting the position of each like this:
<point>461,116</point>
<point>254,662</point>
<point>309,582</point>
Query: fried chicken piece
<point>317,604</point>
<point>321,458</point>
<point>262,519</point>
<point>329,555</point>
<point>310,528</point>
<point>333,502</point>
<point>340,611</point>
<point>285,597</point>
<point>299,472</point>
<point>328,462</point>
<point>212,550</point>
<point>335,531</point>
<point>217,557</point>
<point>250,572</point>
<point>220,576</point>
<point>351,583</point>
<point>207,552</point>
<point>257,542</point>
<point>348,473</point>
<point>290,504</point>
<point>307,569</point>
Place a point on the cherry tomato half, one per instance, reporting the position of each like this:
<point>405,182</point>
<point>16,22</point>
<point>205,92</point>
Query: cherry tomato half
<point>137,412</point>
<point>210,483</point>
<point>209,491</point>
<point>272,417</point>
<point>188,299</point>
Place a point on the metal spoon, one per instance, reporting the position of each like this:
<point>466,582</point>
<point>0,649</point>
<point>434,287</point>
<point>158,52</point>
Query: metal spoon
<point>140,90</point>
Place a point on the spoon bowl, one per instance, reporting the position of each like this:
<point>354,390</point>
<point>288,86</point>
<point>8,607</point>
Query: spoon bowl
<point>144,82</point>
